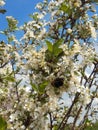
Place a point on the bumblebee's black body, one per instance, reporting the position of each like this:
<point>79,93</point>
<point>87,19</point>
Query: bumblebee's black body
<point>58,82</point>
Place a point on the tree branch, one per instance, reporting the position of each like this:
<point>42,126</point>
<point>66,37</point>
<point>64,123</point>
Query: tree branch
<point>64,120</point>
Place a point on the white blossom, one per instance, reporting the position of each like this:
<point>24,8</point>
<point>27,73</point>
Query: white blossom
<point>2,3</point>
<point>69,30</point>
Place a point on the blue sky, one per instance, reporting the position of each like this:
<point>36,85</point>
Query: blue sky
<point>19,9</point>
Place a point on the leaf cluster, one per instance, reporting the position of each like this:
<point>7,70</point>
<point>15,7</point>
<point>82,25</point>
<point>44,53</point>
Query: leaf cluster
<point>54,52</point>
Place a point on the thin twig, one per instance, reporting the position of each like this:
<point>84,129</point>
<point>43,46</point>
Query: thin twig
<point>64,120</point>
<point>51,125</point>
<point>4,64</point>
<point>75,120</point>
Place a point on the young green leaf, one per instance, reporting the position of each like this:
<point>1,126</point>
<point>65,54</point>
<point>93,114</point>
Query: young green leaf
<point>49,45</point>
<point>35,88</point>
<point>42,87</point>
<point>10,79</point>
<point>56,49</point>
<point>3,124</point>
<point>65,8</point>
<point>57,43</point>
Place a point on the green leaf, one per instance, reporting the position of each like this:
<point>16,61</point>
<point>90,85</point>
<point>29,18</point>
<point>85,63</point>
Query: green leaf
<point>49,45</point>
<point>57,43</point>
<point>76,73</point>
<point>54,52</point>
<point>34,86</point>
<point>56,49</point>
<point>3,124</point>
<point>64,7</point>
<point>34,16</point>
<point>48,56</point>
<point>92,127</point>
<point>42,87</point>
<point>10,39</point>
<point>12,24</point>
<point>10,78</point>
<point>55,127</point>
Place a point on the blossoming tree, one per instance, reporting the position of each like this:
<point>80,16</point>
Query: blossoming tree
<point>49,77</point>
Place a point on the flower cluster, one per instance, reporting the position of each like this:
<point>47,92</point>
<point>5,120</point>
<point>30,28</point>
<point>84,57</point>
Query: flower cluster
<point>48,78</point>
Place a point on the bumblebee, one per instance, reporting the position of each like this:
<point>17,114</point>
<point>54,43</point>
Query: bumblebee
<point>58,82</point>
